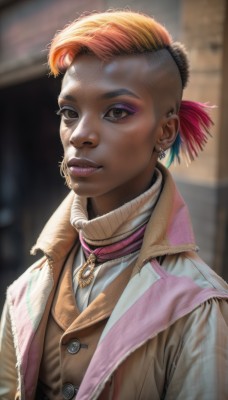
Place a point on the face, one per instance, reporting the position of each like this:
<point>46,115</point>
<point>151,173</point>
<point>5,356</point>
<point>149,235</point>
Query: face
<point>109,129</point>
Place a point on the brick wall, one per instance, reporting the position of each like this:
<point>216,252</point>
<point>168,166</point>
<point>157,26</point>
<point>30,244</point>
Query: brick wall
<point>26,29</point>
<point>205,183</point>
<point>203,34</point>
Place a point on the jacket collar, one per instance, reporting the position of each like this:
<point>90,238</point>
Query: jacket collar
<point>58,236</point>
<point>169,229</point>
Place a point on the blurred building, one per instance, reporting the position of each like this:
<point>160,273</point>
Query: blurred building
<point>30,149</point>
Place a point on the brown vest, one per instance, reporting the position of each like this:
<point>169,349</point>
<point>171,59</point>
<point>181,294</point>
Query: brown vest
<point>71,337</point>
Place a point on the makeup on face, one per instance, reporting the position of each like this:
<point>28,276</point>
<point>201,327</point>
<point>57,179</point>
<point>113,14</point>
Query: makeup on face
<point>108,129</point>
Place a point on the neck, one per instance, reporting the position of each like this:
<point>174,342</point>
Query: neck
<point>102,205</point>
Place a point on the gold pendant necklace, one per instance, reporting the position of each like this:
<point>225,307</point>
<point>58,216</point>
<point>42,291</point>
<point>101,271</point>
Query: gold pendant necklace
<point>126,246</point>
<point>86,273</point>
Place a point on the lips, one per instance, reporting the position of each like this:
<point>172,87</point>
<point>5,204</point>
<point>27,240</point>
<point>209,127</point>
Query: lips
<point>79,167</point>
<point>82,163</point>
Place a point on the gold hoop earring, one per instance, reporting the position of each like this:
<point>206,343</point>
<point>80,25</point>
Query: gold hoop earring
<point>64,173</point>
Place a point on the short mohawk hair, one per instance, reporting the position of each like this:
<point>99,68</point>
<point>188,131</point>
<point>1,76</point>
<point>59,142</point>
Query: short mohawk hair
<point>113,33</point>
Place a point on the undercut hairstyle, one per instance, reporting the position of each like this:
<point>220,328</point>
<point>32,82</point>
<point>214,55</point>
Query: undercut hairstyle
<point>113,33</point>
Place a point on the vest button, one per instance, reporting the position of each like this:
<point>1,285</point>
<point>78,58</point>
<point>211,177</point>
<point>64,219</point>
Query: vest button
<point>74,347</point>
<point>69,391</point>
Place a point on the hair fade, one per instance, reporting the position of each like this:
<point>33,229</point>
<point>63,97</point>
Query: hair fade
<point>115,32</point>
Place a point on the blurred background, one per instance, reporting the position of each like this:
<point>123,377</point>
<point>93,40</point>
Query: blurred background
<point>30,150</point>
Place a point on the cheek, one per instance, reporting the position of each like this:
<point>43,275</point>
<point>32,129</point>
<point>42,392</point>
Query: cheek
<point>64,135</point>
<point>137,148</point>
<point>133,152</point>
<point>141,137</point>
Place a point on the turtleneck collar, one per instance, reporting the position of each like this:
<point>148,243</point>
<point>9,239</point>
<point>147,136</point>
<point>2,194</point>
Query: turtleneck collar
<point>168,231</point>
<point>118,224</point>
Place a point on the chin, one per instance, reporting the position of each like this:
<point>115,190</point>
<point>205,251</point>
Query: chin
<point>83,190</point>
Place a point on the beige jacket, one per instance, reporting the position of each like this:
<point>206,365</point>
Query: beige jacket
<point>166,337</point>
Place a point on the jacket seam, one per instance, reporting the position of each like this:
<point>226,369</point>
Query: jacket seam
<point>207,277</point>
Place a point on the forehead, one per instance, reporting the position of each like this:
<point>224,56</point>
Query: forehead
<point>154,78</point>
<point>134,71</point>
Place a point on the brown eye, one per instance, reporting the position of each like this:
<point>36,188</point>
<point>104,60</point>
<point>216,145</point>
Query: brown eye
<point>68,113</point>
<point>116,113</point>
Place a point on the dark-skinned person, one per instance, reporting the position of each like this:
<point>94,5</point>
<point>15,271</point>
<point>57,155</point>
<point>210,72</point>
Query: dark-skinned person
<point>120,306</point>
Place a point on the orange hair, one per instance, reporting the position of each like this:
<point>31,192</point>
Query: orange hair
<point>105,35</point>
<point>113,33</point>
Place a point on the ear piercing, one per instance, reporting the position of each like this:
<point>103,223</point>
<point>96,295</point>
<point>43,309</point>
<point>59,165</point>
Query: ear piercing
<point>170,113</point>
<point>161,153</point>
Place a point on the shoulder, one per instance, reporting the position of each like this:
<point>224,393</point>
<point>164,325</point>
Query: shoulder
<point>186,283</point>
<point>27,274</point>
<point>28,284</point>
<point>190,265</point>
<point>200,334</point>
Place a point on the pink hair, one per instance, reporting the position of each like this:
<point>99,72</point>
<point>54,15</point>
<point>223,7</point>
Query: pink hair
<point>125,32</point>
<point>105,35</point>
<point>195,123</point>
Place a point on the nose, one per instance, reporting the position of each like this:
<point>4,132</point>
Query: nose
<point>84,134</point>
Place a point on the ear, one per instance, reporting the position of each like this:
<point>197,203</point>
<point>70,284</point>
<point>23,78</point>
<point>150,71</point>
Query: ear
<point>168,132</point>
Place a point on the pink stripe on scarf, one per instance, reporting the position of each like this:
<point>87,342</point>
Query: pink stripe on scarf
<point>126,246</point>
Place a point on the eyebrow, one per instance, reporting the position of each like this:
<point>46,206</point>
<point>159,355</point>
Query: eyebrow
<point>119,92</point>
<point>108,95</point>
<point>66,97</point>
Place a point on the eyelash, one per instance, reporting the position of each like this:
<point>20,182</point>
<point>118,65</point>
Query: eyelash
<point>120,107</point>
<point>64,109</point>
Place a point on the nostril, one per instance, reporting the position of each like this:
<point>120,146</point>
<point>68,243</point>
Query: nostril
<point>80,144</point>
<point>88,143</point>
<point>84,139</point>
